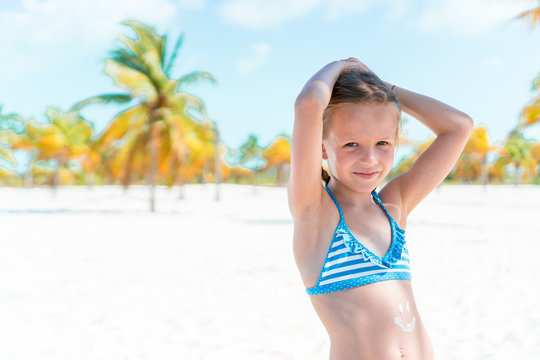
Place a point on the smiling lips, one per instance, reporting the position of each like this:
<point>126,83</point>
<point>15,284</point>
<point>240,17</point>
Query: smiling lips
<point>367,175</point>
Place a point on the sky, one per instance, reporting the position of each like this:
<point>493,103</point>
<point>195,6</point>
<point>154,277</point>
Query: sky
<point>470,54</point>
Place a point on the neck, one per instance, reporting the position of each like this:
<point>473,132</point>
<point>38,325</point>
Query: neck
<point>348,197</point>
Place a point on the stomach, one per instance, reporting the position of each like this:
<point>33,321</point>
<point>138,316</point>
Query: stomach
<point>379,321</point>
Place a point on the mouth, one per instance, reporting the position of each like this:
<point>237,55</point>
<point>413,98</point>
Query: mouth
<point>366,175</point>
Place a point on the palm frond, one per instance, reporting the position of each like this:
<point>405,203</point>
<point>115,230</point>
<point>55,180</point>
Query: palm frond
<point>195,76</point>
<point>102,99</point>
<point>136,82</point>
<point>174,54</point>
<point>162,50</point>
<point>130,45</point>
<point>11,121</point>
<point>147,35</point>
<point>184,103</point>
<point>536,84</point>
<point>130,60</point>
<point>144,53</point>
<point>533,15</point>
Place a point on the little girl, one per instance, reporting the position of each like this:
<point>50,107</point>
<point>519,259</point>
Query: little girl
<point>349,240</point>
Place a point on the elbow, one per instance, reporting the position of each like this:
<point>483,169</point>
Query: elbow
<point>467,123</point>
<point>306,102</point>
<point>463,123</point>
<point>313,97</point>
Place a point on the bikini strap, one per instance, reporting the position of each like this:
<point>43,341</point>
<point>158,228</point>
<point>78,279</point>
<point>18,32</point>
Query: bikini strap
<point>378,200</point>
<point>341,217</point>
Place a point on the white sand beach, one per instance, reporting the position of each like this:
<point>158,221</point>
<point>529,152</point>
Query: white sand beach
<point>91,274</point>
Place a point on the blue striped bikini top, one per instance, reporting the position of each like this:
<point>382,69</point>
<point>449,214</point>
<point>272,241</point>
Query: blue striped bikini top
<point>349,263</point>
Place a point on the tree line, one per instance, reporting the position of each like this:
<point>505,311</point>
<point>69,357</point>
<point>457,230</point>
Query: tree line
<point>164,136</point>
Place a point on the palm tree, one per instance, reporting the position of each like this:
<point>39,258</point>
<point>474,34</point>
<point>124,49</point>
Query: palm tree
<point>205,153</point>
<point>250,157</point>
<point>218,161</point>
<point>535,155</point>
<point>498,168</point>
<point>10,125</point>
<point>530,114</point>
<point>477,148</point>
<point>406,163</point>
<point>535,152</point>
<point>65,137</point>
<point>278,155</point>
<point>468,167</point>
<point>200,141</point>
<point>152,129</point>
<point>516,152</point>
<point>91,162</point>
<point>404,139</point>
<point>532,15</point>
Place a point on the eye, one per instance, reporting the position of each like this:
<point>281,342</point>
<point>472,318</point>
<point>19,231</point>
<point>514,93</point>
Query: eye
<point>382,142</point>
<point>351,144</point>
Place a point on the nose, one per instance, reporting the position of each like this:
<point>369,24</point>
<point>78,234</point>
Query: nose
<point>367,156</point>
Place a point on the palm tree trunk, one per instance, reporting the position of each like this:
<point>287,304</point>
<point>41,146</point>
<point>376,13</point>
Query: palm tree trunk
<point>205,170</point>
<point>516,174</point>
<point>153,144</point>
<point>286,172</point>
<point>90,180</point>
<point>254,181</point>
<point>217,163</point>
<point>28,173</point>
<point>181,193</point>
<point>181,176</point>
<point>56,177</point>
<point>485,179</point>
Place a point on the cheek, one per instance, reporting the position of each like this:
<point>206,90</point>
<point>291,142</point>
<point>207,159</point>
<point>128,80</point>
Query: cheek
<point>388,157</point>
<point>345,157</point>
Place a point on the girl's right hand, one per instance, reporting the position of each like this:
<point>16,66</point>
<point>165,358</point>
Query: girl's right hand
<point>317,92</point>
<point>353,62</point>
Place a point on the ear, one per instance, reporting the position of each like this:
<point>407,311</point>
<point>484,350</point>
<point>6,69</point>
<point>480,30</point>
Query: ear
<point>324,156</point>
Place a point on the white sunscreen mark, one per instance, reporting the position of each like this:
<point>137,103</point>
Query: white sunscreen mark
<point>406,327</point>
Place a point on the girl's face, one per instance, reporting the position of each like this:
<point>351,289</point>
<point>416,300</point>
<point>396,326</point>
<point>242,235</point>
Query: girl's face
<point>360,144</point>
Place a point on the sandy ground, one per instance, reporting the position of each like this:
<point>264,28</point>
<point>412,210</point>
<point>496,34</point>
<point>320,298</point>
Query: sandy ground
<point>90,274</point>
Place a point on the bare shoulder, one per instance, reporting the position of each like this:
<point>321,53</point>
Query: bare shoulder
<point>391,198</point>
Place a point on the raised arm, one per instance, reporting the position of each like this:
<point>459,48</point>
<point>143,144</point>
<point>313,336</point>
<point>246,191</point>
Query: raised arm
<point>452,128</point>
<point>304,186</point>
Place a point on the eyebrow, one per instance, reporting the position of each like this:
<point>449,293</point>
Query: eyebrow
<point>384,137</point>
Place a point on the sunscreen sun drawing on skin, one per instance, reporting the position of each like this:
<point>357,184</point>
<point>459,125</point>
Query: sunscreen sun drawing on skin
<point>407,327</point>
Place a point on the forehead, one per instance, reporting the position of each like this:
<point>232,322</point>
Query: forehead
<point>364,120</point>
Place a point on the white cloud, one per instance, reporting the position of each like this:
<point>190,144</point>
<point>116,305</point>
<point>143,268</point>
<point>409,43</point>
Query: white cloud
<point>44,31</point>
<point>471,17</point>
<point>192,4</point>
<point>259,54</point>
<point>259,14</point>
<point>397,9</point>
<point>263,14</point>
<point>61,21</point>
<point>336,9</point>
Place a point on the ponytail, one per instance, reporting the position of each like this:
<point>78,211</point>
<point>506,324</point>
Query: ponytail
<point>324,176</point>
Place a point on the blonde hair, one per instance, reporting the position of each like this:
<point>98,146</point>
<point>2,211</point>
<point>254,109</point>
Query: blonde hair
<point>357,86</point>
